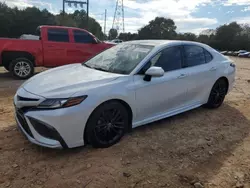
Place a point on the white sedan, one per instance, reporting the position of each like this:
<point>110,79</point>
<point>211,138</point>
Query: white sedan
<point>126,86</point>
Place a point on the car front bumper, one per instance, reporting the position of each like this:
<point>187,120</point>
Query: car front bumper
<point>42,141</point>
<point>58,128</point>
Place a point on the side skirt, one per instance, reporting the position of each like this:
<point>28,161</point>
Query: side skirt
<point>165,115</point>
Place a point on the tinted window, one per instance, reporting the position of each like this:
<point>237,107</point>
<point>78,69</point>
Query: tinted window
<point>58,35</point>
<point>82,37</point>
<point>194,55</point>
<point>169,59</point>
<point>208,56</point>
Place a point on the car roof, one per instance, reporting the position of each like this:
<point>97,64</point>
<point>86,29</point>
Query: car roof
<point>160,43</point>
<point>65,27</point>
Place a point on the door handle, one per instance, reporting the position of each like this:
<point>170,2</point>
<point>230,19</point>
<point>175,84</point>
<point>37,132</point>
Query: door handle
<point>213,69</point>
<point>182,76</point>
<point>51,46</point>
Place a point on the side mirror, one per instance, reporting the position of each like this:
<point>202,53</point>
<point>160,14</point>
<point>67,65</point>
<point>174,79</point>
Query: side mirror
<point>153,72</point>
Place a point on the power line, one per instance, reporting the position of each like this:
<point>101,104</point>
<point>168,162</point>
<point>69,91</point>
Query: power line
<point>78,2</point>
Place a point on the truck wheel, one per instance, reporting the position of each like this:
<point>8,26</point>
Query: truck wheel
<point>21,68</point>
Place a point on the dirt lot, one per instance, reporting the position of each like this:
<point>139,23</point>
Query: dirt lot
<point>210,147</point>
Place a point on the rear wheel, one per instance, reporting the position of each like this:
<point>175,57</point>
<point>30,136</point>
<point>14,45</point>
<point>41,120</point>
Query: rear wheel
<point>21,68</point>
<point>107,124</point>
<point>217,94</point>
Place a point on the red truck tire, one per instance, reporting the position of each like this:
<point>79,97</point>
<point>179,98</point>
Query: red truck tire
<point>21,68</point>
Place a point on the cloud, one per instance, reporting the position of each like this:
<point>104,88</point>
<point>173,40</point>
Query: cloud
<point>139,13</point>
<point>180,11</point>
<point>246,9</point>
<point>230,12</point>
<point>30,3</point>
<point>242,20</point>
<point>236,2</point>
<point>26,3</point>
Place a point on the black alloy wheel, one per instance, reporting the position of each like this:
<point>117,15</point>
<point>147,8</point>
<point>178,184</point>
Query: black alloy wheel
<point>217,94</point>
<point>107,124</point>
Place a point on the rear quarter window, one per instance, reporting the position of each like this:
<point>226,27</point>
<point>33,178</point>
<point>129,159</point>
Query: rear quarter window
<point>208,56</point>
<point>193,55</point>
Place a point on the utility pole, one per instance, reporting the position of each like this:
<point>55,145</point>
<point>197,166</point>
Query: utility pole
<point>87,14</point>
<point>78,2</point>
<point>63,8</point>
<point>118,21</point>
<point>105,20</point>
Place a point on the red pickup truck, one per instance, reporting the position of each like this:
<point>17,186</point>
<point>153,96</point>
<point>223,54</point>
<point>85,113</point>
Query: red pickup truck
<point>54,46</point>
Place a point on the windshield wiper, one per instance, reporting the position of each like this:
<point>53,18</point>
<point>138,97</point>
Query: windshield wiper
<point>96,68</point>
<point>100,69</point>
<point>87,66</point>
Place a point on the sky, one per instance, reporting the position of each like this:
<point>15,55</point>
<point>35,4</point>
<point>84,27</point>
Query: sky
<point>189,15</point>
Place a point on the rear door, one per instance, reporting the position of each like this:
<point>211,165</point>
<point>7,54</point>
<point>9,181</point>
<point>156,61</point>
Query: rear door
<point>56,47</point>
<point>85,45</point>
<point>201,71</point>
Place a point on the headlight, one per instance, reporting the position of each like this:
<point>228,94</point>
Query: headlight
<point>61,103</point>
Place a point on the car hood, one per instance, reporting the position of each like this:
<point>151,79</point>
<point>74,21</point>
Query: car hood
<point>66,80</point>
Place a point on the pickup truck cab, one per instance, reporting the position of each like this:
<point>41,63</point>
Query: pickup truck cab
<point>56,46</point>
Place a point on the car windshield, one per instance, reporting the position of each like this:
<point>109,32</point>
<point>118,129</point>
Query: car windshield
<point>120,59</point>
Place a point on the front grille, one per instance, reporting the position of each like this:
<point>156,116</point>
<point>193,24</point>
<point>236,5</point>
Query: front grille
<point>26,99</point>
<point>23,122</point>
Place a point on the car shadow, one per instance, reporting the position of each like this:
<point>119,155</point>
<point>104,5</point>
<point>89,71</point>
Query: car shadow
<point>5,75</point>
<point>176,150</point>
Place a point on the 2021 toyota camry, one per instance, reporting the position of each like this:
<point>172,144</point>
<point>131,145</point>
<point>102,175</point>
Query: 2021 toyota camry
<point>126,86</point>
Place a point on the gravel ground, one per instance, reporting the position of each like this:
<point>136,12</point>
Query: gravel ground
<point>199,148</point>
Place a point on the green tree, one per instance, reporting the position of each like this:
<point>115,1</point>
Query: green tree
<point>159,28</point>
<point>128,36</point>
<point>187,36</point>
<point>226,36</point>
<point>15,22</point>
<point>65,20</point>
<point>113,34</point>
<point>6,20</point>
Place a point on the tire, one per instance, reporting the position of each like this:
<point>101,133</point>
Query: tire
<point>107,125</point>
<point>21,68</point>
<point>217,94</point>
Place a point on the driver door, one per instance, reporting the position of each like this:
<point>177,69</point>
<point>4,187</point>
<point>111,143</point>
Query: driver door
<point>162,94</point>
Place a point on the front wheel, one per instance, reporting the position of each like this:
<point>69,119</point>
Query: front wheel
<point>217,94</point>
<point>107,124</point>
<point>21,68</point>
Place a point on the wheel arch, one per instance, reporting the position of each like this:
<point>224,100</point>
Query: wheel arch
<point>8,56</point>
<point>225,79</point>
<point>125,104</point>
